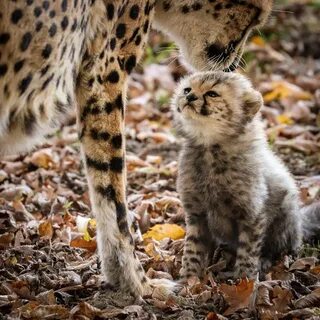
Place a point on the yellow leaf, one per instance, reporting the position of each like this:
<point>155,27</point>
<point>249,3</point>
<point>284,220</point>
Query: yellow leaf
<point>43,158</point>
<point>167,230</point>
<point>259,41</point>
<point>282,89</point>
<point>151,250</point>
<point>284,119</point>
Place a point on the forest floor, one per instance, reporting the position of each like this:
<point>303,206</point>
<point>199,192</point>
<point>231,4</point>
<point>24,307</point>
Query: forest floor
<point>49,268</point>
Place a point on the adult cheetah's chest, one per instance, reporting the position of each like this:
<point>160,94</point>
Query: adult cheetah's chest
<point>41,43</point>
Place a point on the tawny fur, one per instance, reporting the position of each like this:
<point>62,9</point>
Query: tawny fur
<point>64,54</point>
<point>236,192</point>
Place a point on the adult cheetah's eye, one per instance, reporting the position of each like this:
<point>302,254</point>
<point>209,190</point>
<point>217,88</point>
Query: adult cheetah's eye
<point>212,94</point>
<point>186,90</point>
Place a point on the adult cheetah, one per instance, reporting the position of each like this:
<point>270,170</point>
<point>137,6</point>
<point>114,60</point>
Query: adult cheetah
<point>59,54</point>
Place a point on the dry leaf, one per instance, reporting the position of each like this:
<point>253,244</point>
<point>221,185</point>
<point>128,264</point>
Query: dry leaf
<point>282,89</point>
<point>304,263</point>
<point>46,229</point>
<point>79,242</point>
<point>258,40</point>
<point>166,230</point>
<point>309,301</point>
<point>237,296</point>
<point>43,158</point>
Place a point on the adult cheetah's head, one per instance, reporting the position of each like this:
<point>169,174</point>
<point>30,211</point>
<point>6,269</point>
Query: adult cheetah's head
<point>211,33</point>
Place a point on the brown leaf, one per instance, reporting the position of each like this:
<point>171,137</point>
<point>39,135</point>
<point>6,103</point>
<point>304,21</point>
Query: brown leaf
<point>308,301</point>
<point>43,158</point>
<point>33,310</point>
<point>79,242</point>
<point>46,229</point>
<point>303,264</point>
<point>6,240</point>
<point>237,296</point>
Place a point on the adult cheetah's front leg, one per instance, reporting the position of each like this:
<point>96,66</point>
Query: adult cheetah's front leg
<point>101,93</point>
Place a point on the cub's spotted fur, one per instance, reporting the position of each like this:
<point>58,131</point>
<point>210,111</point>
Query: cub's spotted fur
<point>236,192</point>
<point>56,55</point>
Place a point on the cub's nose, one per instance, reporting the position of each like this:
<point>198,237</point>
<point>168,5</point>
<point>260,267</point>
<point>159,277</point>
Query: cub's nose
<point>191,97</point>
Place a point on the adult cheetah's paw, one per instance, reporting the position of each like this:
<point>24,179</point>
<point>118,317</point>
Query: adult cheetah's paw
<point>161,288</point>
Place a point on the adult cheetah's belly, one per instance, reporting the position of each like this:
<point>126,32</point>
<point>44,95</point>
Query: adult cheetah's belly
<point>40,48</point>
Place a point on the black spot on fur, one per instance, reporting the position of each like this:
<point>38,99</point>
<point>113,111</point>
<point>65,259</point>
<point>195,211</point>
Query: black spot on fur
<point>110,11</point>
<point>25,41</point>
<point>134,12</point>
<point>113,42</point>
<point>46,52</point>
<point>4,38</point>
<point>46,5</point>
<point>116,141</point>
<point>107,192</point>
<point>146,26</point>
<point>116,164</point>
<point>113,76</point>
<point>3,69</point>
<point>166,6</point>
<point>24,83</point>
<point>29,122</point>
<point>64,23</point>
<point>52,30</point>
<point>37,11</point>
<point>196,6</point>
<point>47,81</point>
<point>120,30</point>
<point>64,5</point>
<point>16,16</point>
<point>185,9</point>
<point>74,25</point>
<point>98,165</point>
<point>44,70</point>
<point>130,63</point>
<point>18,66</point>
<point>98,135</point>
<point>39,25</point>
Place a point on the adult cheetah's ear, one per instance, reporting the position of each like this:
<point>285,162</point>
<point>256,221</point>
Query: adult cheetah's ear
<point>252,102</point>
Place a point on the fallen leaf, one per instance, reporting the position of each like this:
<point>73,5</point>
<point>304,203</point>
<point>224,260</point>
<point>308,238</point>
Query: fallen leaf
<point>284,119</point>
<point>308,301</point>
<point>79,242</point>
<point>237,296</point>
<point>166,230</point>
<point>283,89</point>
<point>46,229</point>
<point>258,40</point>
<point>43,158</point>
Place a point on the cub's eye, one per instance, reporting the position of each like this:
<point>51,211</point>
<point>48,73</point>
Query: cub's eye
<point>212,94</point>
<point>186,90</point>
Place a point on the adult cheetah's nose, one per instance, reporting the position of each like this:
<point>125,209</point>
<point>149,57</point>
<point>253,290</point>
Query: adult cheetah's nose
<point>191,97</point>
<point>215,51</point>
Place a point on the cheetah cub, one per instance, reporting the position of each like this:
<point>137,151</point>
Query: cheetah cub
<point>237,194</point>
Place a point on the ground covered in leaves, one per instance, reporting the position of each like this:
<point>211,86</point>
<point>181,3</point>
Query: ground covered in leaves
<point>48,263</point>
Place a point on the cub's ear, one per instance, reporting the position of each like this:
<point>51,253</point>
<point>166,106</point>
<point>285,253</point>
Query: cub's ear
<point>252,102</point>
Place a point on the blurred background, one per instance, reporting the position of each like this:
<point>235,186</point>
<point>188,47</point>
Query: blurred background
<point>46,227</point>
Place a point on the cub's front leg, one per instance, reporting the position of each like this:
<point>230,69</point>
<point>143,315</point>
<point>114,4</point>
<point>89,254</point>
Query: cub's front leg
<point>250,240</point>
<point>196,243</point>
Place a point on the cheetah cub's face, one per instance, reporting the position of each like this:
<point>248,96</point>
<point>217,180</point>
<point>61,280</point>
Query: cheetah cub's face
<point>217,104</point>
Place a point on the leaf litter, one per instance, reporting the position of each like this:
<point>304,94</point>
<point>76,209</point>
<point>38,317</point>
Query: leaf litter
<point>49,268</point>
